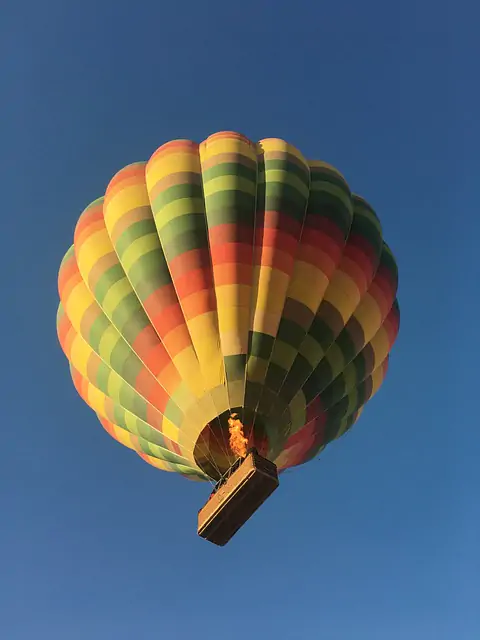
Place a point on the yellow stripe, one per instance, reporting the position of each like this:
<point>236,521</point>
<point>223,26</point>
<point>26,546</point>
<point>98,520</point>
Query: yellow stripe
<point>271,289</point>
<point>236,295</point>
<point>380,345</point>
<point>124,201</point>
<point>343,294</point>
<point>77,303</point>
<point>96,399</point>
<point>308,285</point>
<point>234,318</point>
<point>116,293</point>
<point>206,342</point>
<point>179,207</point>
<point>369,316</point>
<point>131,422</point>
<point>91,250</point>
<point>286,177</point>
<point>187,365</point>
<point>159,464</point>
<point>108,342</point>
<point>80,354</point>
<point>170,430</point>
<point>229,183</point>
<point>217,146</point>
<point>277,144</point>
<point>377,379</point>
<point>139,248</point>
<point>114,385</point>
<point>175,162</point>
<point>123,437</point>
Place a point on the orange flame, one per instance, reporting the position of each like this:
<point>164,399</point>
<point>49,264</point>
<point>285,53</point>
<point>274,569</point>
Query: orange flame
<point>238,441</point>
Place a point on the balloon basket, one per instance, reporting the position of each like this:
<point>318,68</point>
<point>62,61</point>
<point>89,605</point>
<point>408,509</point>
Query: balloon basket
<point>243,489</point>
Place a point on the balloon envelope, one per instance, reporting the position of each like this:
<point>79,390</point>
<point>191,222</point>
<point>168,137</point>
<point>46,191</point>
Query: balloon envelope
<point>227,277</point>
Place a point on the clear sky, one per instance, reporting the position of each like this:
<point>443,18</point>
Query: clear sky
<point>379,539</point>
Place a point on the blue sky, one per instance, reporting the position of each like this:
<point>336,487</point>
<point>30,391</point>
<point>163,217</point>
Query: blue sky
<point>378,539</point>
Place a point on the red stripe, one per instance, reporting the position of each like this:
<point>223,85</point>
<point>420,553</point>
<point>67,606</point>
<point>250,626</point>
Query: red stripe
<point>167,319</point>
<point>226,233</point>
<point>193,282</point>
<point>147,386</point>
<point>314,409</point>
<point>385,281</point>
<point>274,258</point>
<point>231,253</point>
<point>154,418</point>
<point>384,302</point>
<point>278,220</point>
<point>356,273</point>
<point>316,221</point>
<point>318,259</point>
<point>186,263</point>
<point>151,351</point>
<point>360,242</point>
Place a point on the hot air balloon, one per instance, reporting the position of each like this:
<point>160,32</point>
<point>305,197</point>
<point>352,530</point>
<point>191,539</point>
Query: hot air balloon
<point>227,309</point>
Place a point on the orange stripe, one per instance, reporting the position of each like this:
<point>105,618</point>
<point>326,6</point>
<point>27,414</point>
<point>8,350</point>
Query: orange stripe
<point>233,273</point>
<point>274,258</point>
<point>128,176</point>
<point>199,303</point>
<point>174,147</point>
<point>89,216</point>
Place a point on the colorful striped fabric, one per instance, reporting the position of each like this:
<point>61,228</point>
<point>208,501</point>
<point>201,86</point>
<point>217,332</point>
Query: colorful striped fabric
<point>227,277</point>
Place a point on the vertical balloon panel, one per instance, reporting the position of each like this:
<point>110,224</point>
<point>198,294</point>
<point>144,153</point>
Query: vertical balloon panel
<point>325,230</point>
<point>282,198</point>
<point>363,325</point>
<point>131,226</point>
<point>118,307</point>
<point>109,394</point>
<point>344,293</point>
<point>229,173</point>
<point>174,182</point>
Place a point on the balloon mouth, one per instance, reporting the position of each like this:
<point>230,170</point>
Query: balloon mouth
<point>213,453</point>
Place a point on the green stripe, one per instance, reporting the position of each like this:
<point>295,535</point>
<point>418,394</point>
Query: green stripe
<point>136,230</point>
<point>230,169</point>
<point>227,207</point>
<point>129,318</point>
<point>99,326</point>
<point>149,273</point>
<point>191,190</point>
<point>261,345</point>
<point>105,282</point>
